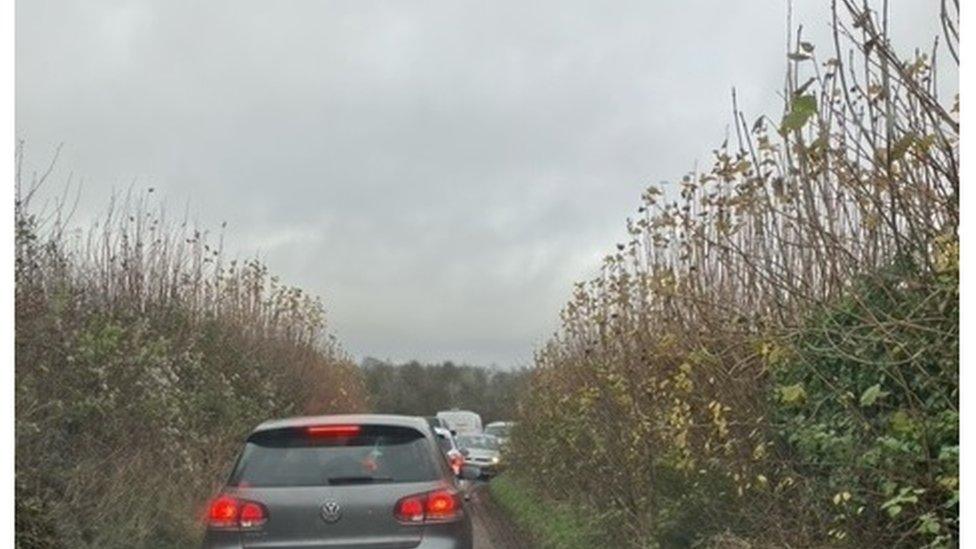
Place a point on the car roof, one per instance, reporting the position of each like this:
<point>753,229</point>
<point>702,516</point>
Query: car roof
<point>476,435</point>
<point>418,423</point>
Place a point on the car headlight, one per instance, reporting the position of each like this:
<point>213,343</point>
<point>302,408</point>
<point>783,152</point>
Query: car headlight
<point>495,459</point>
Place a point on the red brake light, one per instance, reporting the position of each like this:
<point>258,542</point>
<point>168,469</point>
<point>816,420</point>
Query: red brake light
<point>437,506</point>
<point>223,512</point>
<point>334,430</point>
<point>227,512</point>
<point>253,515</point>
<point>441,505</point>
<point>410,509</point>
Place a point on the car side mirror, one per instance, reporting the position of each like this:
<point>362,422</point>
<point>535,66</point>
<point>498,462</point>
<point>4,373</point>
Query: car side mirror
<point>465,452</point>
<point>469,472</point>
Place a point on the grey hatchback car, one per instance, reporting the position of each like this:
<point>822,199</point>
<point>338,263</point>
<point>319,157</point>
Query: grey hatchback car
<point>345,481</point>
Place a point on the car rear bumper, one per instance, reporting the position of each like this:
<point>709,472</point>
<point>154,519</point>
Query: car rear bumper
<point>433,542</point>
<point>452,535</point>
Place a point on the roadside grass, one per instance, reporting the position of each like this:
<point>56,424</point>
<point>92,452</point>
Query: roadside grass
<point>550,525</point>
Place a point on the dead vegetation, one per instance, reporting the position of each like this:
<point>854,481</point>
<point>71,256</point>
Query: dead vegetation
<point>772,358</point>
<point>143,356</point>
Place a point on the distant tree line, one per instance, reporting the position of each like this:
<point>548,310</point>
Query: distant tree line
<point>423,389</point>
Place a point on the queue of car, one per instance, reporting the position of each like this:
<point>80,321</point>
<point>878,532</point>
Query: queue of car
<point>364,480</point>
<point>481,448</point>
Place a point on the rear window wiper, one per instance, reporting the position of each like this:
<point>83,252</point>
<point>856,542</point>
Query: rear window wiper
<point>357,480</point>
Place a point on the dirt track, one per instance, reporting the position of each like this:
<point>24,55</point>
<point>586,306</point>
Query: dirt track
<point>492,528</point>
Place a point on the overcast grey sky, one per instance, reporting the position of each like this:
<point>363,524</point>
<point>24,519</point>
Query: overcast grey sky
<point>439,171</point>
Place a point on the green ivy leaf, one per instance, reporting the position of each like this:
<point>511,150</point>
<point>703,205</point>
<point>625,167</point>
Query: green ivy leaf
<point>872,394</point>
<point>901,423</point>
<point>928,524</point>
<point>792,394</point>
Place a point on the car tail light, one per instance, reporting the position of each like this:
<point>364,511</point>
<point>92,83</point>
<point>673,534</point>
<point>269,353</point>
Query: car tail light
<point>410,509</point>
<point>253,515</point>
<point>441,505</point>
<point>229,513</point>
<point>333,430</point>
<point>436,506</point>
<point>223,512</point>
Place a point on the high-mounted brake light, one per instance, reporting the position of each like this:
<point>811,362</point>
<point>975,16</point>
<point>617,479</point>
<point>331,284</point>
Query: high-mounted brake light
<point>436,506</point>
<point>229,513</point>
<point>334,430</point>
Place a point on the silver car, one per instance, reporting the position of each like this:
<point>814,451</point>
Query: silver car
<point>501,430</point>
<point>341,481</point>
<point>481,451</point>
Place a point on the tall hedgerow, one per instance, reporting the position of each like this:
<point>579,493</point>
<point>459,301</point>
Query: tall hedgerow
<point>773,357</point>
<point>143,356</point>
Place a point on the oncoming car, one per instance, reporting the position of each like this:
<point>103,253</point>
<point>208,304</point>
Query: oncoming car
<point>481,451</point>
<point>340,481</point>
<point>501,430</point>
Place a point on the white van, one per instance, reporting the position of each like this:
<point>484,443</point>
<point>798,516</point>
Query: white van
<point>462,422</point>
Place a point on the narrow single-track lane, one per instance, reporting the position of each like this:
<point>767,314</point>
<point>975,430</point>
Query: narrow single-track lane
<point>493,529</point>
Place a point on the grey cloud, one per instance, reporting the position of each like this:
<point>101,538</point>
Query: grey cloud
<point>441,172</point>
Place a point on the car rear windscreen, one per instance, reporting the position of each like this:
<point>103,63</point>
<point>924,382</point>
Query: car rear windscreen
<point>298,457</point>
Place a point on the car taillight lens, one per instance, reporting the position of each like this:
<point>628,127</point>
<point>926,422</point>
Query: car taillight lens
<point>441,505</point>
<point>410,509</point>
<point>223,512</point>
<point>230,513</point>
<point>253,515</point>
<point>456,461</point>
<point>436,506</point>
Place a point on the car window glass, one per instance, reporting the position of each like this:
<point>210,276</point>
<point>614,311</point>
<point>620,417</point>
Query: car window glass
<point>480,442</point>
<point>498,430</point>
<point>290,457</point>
